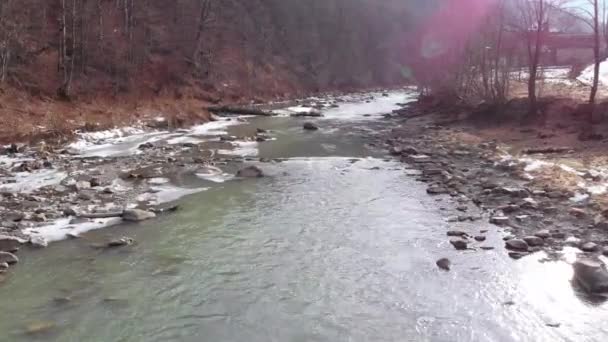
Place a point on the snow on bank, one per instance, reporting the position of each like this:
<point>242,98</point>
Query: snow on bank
<point>586,76</point>
<point>62,229</point>
<point>27,182</point>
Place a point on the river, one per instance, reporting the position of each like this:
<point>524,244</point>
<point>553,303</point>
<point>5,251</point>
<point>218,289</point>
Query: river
<point>338,243</point>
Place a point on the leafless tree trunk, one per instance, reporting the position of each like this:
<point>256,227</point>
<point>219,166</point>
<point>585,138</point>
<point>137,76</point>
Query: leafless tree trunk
<point>597,61</point>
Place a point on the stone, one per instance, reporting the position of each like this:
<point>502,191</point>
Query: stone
<point>95,182</point>
<point>480,238</point>
<point>459,244</point>
<point>589,247</point>
<point>543,234</point>
<point>605,251</point>
<point>136,215</point>
<point>436,190</point>
<point>309,126</point>
<point>444,264</point>
<point>533,240</point>
<point>8,258</point>
<point>517,255</point>
<point>10,243</point>
<point>499,220</point>
<point>40,327</point>
<point>38,241</point>
<point>458,233</point>
<point>69,212</point>
<point>123,241</point>
<point>250,172</point>
<point>82,185</point>
<point>591,274</point>
<point>3,266</point>
<point>510,208</point>
<point>40,217</point>
<point>15,216</point>
<point>577,212</point>
<point>516,245</point>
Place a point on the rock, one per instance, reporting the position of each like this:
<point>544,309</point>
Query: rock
<point>8,258</point>
<point>15,216</point>
<point>533,240</point>
<point>459,244</point>
<point>40,217</point>
<point>589,247</point>
<point>261,130</point>
<point>517,255</point>
<point>82,185</point>
<point>543,234</point>
<point>145,146</point>
<point>605,251</point>
<point>309,126</point>
<point>3,266</point>
<point>228,138</point>
<point>444,264</point>
<point>10,243</point>
<point>499,220</point>
<point>591,274</point>
<point>69,212</point>
<point>487,248</point>
<point>250,172</point>
<point>437,190</point>
<point>577,212</point>
<point>510,208</point>
<point>38,241</point>
<point>516,245</point>
<point>124,241</point>
<point>458,233</point>
<point>95,182</point>
<point>312,113</point>
<point>136,215</point>
<point>41,327</point>
<point>480,238</point>
<point>395,150</point>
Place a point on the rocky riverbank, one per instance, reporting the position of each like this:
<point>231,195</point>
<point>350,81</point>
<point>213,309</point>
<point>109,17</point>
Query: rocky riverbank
<point>538,201</point>
<point>127,174</point>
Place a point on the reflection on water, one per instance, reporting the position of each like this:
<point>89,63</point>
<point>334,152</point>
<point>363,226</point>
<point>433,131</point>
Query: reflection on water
<point>324,249</point>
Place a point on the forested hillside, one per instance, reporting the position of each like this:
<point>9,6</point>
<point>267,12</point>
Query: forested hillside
<point>72,49</point>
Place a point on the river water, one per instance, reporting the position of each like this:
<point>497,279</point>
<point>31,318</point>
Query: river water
<point>338,243</point>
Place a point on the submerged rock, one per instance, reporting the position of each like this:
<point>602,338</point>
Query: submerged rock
<point>444,264</point>
<point>3,266</point>
<point>136,215</point>
<point>250,172</point>
<point>591,275</point>
<point>309,126</point>
<point>123,241</point>
<point>8,258</point>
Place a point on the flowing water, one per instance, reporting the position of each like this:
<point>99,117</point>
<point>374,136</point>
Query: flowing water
<point>337,244</point>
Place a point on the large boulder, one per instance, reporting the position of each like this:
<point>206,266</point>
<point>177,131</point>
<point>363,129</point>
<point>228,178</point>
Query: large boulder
<point>10,243</point>
<point>137,215</point>
<point>592,275</point>
<point>250,172</point>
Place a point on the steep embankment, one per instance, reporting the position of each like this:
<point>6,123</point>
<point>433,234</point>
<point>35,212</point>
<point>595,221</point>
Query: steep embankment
<point>85,64</point>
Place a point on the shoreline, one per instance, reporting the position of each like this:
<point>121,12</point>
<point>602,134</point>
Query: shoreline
<point>522,192</point>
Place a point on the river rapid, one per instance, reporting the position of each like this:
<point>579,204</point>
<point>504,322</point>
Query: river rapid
<point>337,243</point>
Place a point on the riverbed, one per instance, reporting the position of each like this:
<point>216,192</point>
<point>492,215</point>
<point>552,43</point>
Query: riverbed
<point>337,243</point>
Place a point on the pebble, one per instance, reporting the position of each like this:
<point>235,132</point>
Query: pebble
<point>456,233</point>
<point>480,238</point>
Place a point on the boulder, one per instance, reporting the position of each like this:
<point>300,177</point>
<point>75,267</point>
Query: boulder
<point>591,274</point>
<point>137,215</point>
<point>533,240</point>
<point>250,172</point>
<point>8,258</point>
<point>309,126</point>
<point>10,243</point>
<point>444,264</point>
<point>589,247</point>
<point>516,245</point>
<point>459,244</point>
